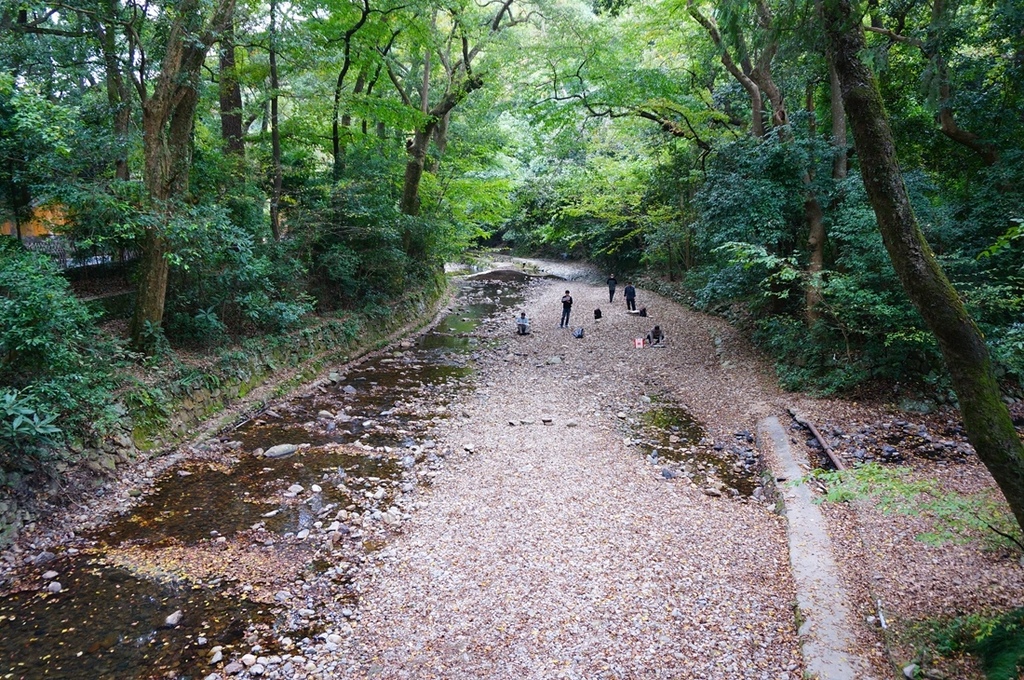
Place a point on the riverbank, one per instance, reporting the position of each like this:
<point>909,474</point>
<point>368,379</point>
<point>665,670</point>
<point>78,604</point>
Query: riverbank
<point>527,506</point>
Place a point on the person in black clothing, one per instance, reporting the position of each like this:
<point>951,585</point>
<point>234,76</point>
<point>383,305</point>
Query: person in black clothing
<point>630,293</point>
<point>611,287</point>
<point>566,308</point>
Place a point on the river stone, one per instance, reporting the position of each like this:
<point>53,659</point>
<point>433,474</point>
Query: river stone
<point>216,657</point>
<point>552,361</point>
<point>302,535</point>
<point>233,668</point>
<point>326,415</point>
<point>281,451</point>
<point>296,489</point>
<point>257,669</point>
<point>711,491</point>
<point>54,587</point>
<point>50,575</point>
<point>248,659</point>
<point>43,557</point>
<point>348,389</point>
<point>174,619</point>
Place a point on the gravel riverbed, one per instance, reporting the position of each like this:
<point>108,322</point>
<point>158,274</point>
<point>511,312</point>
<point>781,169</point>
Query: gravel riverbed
<point>534,533</point>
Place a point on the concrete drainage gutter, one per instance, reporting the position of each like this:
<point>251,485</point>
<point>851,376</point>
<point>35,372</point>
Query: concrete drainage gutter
<point>826,630</point>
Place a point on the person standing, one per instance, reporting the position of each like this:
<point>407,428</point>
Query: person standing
<point>566,308</point>
<point>611,287</point>
<point>630,292</point>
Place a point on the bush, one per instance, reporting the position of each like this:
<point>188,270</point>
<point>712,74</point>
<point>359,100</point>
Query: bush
<point>59,370</point>
<point>228,279</point>
<point>996,641</point>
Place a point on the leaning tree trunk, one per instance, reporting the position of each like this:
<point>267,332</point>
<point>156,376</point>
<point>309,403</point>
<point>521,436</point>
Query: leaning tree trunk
<point>986,418</point>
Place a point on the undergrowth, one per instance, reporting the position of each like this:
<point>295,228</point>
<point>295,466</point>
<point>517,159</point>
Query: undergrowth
<point>956,517</point>
<point>997,642</point>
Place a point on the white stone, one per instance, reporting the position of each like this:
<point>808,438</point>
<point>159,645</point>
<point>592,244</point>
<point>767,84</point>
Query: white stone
<point>248,659</point>
<point>50,575</point>
<point>281,450</point>
<point>174,619</point>
<point>54,587</point>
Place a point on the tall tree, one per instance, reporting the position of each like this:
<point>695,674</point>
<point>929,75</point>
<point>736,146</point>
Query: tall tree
<point>275,129</point>
<point>455,57</point>
<point>168,116</point>
<point>755,75</point>
<point>230,92</point>
<point>986,418</point>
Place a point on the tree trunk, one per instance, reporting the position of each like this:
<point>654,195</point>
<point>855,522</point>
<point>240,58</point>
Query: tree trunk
<point>118,94</point>
<point>742,76</point>
<point>839,162</point>
<point>815,217</point>
<point>440,141</point>
<point>231,130</point>
<point>986,418</point>
<point>275,131</point>
<point>417,149</point>
<point>168,116</point>
<point>947,122</point>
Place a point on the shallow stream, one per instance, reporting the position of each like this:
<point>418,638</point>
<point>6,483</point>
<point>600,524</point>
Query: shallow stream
<point>109,616</point>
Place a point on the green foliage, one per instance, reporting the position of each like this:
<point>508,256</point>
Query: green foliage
<point>359,244</point>
<point>149,407</point>
<point>956,517</point>
<point>23,430</point>
<point>227,279</point>
<point>996,641</point>
<point>59,371</point>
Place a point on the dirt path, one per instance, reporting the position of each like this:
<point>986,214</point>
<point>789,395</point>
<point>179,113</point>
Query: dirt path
<point>558,550</point>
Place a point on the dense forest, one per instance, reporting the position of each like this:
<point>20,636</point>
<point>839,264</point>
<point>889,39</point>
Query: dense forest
<point>826,174</point>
